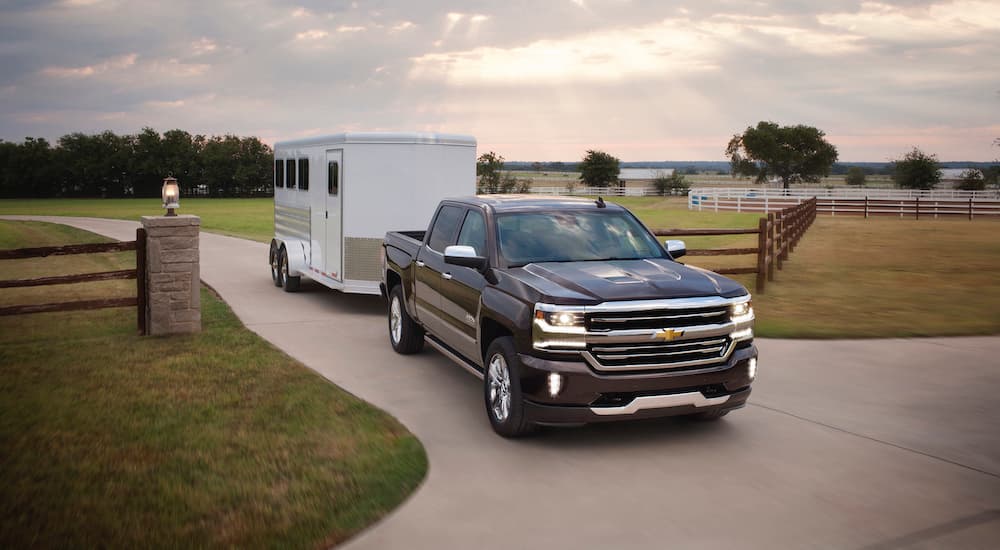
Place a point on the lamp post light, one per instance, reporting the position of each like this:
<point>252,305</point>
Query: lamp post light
<point>171,195</point>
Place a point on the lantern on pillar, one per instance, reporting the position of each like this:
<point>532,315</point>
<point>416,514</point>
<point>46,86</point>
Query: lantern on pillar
<point>171,195</point>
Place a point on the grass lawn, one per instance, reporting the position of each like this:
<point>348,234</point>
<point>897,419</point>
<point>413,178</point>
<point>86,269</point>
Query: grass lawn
<point>247,218</point>
<point>215,439</point>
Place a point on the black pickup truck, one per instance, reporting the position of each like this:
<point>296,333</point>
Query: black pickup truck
<point>571,312</point>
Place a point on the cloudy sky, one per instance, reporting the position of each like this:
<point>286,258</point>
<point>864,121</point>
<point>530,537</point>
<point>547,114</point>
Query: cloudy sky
<point>532,80</point>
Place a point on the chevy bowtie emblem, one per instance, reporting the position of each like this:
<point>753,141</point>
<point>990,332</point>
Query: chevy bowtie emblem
<point>668,334</point>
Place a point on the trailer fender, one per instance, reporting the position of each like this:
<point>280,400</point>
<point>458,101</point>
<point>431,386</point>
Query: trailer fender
<point>298,256</point>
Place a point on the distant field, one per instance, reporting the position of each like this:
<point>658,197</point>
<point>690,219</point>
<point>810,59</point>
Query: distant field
<point>849,277</point>
<point>561,179</point>
<point>247,218</point>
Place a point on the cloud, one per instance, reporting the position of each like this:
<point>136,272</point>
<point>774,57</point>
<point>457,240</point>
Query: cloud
<point>645,79</point>
<point>111,64</point>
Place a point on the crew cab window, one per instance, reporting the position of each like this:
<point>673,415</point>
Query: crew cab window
<point>445,228</point>
<point>474,232</point>
<point>290,169</point>
<point>303,174</point>
<point>279,173</point>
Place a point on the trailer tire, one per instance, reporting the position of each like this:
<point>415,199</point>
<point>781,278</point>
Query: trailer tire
<point>405,335</point>
<point>291,284</point>
<point>273,258</point>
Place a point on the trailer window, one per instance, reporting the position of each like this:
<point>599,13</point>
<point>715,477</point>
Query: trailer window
<point>445,228</point>
<point>290,168</point>
<point>303,174</point>
<point>333,178</point>
<point>279,173</point>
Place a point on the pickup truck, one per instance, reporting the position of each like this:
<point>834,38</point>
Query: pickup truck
<point>570,311</point>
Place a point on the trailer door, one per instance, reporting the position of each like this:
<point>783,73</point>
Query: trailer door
<point>333,252</point>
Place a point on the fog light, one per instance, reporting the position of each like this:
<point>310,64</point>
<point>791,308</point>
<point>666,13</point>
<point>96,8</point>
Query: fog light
<point>752,367</point>
<point>555,384</point>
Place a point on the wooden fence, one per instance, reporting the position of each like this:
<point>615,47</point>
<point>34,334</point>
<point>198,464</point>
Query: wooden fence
<point>777,235</point>
<point>139,274</point>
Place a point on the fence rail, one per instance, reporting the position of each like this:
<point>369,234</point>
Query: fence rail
<point>139,274</point>
<point>935,204</point>
<point>777,235</point>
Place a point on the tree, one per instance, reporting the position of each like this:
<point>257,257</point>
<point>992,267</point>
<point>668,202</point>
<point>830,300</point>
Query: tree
<point>971,180</point>
<point>599,169</point>
<point>916,170</point>
<point>991,176</point>
<point>489,168</point>
<point>793,153</point>
<point>673,184</point>
<point>855,176</point>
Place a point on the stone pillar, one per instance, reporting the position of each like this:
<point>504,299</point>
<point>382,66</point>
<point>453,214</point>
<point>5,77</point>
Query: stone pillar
<point>173,295</point>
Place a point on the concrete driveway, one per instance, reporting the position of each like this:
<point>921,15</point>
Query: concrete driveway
<point>876,444</point>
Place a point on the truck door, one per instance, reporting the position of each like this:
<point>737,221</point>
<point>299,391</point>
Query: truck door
<point>461,288</point>
<point>430,268</point>
<point>332,252</point>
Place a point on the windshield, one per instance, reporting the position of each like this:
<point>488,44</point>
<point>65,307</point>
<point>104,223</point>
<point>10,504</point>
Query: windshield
<point>527,237</point>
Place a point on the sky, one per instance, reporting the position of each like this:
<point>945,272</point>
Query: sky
<point>531,80</point>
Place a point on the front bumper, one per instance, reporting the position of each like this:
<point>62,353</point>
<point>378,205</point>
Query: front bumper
<point>589,396</point>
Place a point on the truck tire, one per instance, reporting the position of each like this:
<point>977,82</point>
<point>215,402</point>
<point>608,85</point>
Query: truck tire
<point>405,335</point>
<point>290,283</point>
<point>274,259</point>
<point>502,390</point>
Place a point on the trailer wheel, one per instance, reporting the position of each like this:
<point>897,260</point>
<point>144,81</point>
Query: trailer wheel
<point>274,260</point>
<point>405,335</point>
<point>290,283</point>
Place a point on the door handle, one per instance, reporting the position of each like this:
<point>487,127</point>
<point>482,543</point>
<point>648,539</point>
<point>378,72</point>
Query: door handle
<point>446,276</point>
<point>420,264</point>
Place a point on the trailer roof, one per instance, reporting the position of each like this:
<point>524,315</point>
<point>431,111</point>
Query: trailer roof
<point>429,138</point>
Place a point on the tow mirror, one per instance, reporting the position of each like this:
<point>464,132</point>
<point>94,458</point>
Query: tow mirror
<point>464,256</point>
<point>676,249</point>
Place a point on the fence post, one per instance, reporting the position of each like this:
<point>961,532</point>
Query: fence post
<point>918,208</point>
<point>970,208</point>
<point>779,238</point>
<point>140,279</point>
<point>761,254</point>
<point>866,207</point>
<point>770,246</point>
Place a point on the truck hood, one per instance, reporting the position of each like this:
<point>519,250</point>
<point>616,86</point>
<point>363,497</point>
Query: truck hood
<point>616,280</point>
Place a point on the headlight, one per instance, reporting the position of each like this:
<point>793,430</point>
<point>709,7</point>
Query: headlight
<point>560,318</point>
<point>741,309</point>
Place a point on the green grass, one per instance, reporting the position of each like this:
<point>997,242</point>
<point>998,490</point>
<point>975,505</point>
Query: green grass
<point>247,218</point>
<point>214,439</point>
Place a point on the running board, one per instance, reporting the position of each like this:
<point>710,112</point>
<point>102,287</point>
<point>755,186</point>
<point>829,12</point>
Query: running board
<point>456,358</point>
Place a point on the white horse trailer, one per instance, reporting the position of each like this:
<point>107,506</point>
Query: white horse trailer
<point>335,197</point>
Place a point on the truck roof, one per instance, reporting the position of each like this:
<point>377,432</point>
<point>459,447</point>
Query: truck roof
<point>507,203</point>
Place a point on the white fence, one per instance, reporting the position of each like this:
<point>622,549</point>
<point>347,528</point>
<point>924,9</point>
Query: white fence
<point>866,202</point>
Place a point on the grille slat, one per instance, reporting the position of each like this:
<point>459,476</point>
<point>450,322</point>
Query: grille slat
<point>657,319</point>
<point>668,355</point>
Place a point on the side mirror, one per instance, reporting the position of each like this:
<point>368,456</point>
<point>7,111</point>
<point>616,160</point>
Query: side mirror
<point>464,256</point>
<point>675,248</point>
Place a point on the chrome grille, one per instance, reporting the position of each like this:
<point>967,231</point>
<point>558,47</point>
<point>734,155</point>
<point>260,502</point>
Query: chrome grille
<point>673,354</point>
<point>657,319</point>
